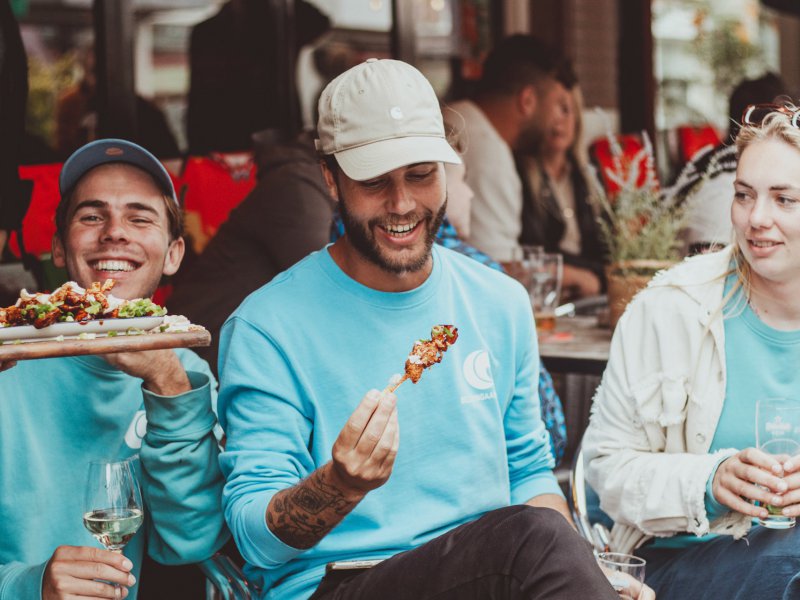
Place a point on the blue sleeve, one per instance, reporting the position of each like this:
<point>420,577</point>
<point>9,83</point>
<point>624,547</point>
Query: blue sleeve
<point>21,582</point>
<point>268,432</point>
<point>530,460</point>
<point>181,479</point>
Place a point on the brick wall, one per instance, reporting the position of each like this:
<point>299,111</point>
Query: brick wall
<point>591,39</point>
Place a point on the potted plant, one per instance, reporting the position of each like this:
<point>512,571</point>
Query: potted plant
<point>638,225</point>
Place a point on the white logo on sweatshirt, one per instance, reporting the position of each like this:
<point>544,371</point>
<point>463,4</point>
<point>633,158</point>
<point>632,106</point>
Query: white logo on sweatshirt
<point>477,371</point>
<point>478,374</point>
<point>136,431</point>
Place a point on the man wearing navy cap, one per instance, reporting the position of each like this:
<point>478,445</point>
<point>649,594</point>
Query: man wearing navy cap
<point>118,218</point>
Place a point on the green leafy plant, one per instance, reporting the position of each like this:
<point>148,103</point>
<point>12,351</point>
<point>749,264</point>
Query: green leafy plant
<point>46,82</point>
<point>636,222</point>
<point>723,44</point>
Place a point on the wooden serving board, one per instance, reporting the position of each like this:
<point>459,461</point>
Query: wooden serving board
<point>103,345</point>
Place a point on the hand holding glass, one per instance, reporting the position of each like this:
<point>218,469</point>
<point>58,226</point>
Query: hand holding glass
<point>778,434</point>
<point>625,572</point>
<point>113,505</point>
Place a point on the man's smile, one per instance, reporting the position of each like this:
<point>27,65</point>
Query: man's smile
<point>112,266</point>
<point>400,231</point>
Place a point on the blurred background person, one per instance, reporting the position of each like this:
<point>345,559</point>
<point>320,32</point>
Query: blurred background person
<point>518,78</point>
<point>233,72</point>
<point>286,217</point>
<point>557,210</point>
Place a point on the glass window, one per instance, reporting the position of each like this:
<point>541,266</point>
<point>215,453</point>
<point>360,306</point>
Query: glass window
<point>214,98</point>
<point>702,50</point>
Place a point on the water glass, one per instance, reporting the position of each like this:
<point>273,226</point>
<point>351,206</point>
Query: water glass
<point>778,434</point>
<point>622,571</point>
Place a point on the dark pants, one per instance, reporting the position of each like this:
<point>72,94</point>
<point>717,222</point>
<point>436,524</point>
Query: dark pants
<point>765,565</point>
<point>511,553</point>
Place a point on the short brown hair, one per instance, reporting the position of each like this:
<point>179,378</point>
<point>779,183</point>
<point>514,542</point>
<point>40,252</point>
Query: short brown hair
<point>521,60</point>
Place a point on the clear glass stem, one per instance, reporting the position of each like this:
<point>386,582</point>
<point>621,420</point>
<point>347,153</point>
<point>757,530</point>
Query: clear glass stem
<point>117,587</point>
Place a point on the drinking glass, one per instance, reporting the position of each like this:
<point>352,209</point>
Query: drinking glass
<point>520,265</point>
<point>530,252</point>
<point>546,271</point>
<point>621,569</point>
<point>778,434</point>
<point>112,505</point>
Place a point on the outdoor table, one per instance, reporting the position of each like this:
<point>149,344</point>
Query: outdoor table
<point>576,354</point>
<point>577,345</point>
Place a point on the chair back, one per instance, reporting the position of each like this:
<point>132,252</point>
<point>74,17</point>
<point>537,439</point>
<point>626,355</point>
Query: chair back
<point>225,581</point>
<point>631,159</point>
<point>584,504</point>
<point>693,138</point>
<point>38,225</point>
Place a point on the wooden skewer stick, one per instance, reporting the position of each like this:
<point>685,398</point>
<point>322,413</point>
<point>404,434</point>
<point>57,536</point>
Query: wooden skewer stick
<point>393,387</point>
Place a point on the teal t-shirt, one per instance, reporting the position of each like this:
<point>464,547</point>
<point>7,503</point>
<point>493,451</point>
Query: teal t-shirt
<point>761,362</point>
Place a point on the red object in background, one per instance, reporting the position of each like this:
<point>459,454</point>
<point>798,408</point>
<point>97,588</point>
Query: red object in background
<point>603,158</point>
<point>39,224</point>
<point>162,294</point>
<point>212,186</point>
<point>692,139</point>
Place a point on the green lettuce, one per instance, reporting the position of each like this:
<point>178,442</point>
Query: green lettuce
<point>143,307</point>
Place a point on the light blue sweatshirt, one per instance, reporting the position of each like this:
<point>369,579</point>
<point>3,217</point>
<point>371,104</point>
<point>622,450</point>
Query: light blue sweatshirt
<point>298,356</point>
<point>56,415</point>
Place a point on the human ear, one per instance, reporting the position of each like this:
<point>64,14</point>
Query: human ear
<point>175,253</point>
<point>330,181</point>
<point>527,100</point>
<point>59,255</point>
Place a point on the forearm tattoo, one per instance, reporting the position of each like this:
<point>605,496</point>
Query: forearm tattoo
<point>303,514</point>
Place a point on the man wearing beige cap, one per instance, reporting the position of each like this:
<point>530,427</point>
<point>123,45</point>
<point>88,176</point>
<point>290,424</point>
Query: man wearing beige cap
<point>318,472</point>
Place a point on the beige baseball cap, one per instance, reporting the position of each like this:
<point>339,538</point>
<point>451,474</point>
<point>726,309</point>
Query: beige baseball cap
<point>379,116</point>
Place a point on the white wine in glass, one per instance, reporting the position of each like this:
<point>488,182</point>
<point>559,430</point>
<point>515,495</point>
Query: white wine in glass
<point>113,505</point>
<point>113,527</point>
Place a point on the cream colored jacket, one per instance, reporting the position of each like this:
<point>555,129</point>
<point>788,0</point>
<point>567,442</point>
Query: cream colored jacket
<point>657,408</point>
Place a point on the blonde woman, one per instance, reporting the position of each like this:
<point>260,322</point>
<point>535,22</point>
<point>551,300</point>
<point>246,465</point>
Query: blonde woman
<point>670,446</point>
<point>557,212</point>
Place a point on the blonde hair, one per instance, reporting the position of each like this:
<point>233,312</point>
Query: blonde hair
<point>577,150</point>
<point>776,125</point>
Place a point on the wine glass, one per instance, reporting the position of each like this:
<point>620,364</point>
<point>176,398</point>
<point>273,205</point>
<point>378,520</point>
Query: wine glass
<point>621,569</point>
<point>113,505</point>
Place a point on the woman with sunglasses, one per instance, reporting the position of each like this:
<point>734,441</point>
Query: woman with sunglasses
<point>671,444</point>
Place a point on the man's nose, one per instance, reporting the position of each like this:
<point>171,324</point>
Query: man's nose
<point>401,200</point>
<point>114,230</point>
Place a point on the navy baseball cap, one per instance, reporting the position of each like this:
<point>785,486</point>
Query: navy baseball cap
<point>101,152</point>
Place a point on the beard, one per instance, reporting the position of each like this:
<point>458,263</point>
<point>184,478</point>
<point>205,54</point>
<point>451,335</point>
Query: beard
<point>361,238</point>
